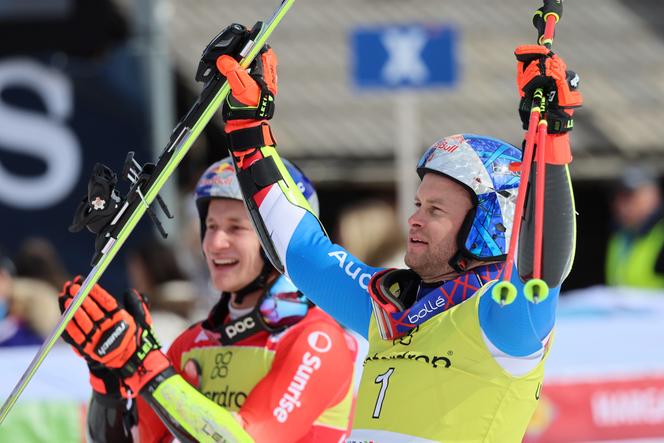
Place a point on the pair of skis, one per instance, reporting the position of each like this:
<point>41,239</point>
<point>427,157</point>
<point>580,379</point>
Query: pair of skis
<point>147,180</point>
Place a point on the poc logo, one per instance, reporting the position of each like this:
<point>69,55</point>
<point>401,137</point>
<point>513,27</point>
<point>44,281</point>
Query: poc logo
<point>239,327</point>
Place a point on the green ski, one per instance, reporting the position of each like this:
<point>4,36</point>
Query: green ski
<point>118,217</point>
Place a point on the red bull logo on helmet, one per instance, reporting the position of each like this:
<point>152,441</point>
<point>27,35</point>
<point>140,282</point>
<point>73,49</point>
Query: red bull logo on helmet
<point>222,175</point>
<point>450,144</point>
<point>224,167</point>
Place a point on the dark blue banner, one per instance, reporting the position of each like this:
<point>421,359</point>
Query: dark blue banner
<point>58,116</point>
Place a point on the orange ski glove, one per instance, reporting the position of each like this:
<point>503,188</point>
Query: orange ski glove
<point>251,101</point>
<point>115,338</point>
<point>538,67</point>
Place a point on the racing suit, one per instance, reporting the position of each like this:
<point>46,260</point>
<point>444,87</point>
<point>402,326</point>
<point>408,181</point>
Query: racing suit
<point>472,371</point>
<point>292,386</point>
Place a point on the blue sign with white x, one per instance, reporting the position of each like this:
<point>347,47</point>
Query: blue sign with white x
<point>404,56</point>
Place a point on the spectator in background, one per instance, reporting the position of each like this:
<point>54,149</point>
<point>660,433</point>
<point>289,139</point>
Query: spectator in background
<point>35,302</point>
<point>370,230</point>
<point>635,253</point>
<point>37,258</point>
<point>13,330</point>
<point>153,270</point>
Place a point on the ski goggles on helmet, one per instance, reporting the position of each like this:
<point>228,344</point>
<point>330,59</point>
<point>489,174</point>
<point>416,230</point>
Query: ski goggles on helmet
<point>283,306</point>
<point>283,309</point>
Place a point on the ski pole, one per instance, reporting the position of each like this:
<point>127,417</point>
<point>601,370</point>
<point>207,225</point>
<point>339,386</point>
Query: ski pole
<point>535,288</point>
<point>183,137</point>
<point>504,291</point>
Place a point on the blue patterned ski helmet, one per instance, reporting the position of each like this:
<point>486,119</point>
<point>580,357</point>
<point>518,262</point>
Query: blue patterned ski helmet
<point>483,165</point>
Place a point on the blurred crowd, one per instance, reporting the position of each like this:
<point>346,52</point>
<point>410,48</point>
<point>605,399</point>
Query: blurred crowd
<point>635,250</point>
<point>29,285</point>
<point>180,292</point>
<point>174,276</point>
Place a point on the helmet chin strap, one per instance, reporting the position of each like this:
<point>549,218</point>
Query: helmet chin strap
<point>260,282</point>
<point>459,262</point>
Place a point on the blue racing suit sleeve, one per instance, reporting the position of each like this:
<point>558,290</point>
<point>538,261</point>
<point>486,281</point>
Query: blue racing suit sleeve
<point>330,276</point>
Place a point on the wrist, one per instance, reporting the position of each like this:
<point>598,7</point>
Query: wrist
<point>105,382</point>
<point>107,387</point>
<point>154,364</point>
<point>235,125</point>
<point>558,150</point>
<point>250,138</point>
<point>110,400</point>
<point>151,386</point>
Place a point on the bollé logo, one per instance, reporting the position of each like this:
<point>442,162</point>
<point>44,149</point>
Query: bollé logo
<point>427,309</point>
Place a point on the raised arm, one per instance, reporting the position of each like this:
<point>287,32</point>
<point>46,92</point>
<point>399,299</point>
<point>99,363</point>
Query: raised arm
<point>289,230</point>
<point>522,327</point>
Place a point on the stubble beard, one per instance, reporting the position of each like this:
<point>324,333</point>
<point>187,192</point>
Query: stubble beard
<point>432,264</point>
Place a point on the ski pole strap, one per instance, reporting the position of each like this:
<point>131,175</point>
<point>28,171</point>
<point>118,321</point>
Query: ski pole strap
<point>250,138</point>
<point>259,175</point>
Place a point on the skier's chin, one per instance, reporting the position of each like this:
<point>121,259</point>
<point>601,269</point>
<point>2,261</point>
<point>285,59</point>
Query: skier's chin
<point>416,261</point>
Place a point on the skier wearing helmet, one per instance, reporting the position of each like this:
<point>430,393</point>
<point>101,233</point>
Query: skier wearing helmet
<point>448,359</point>
<point>279,364</point>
